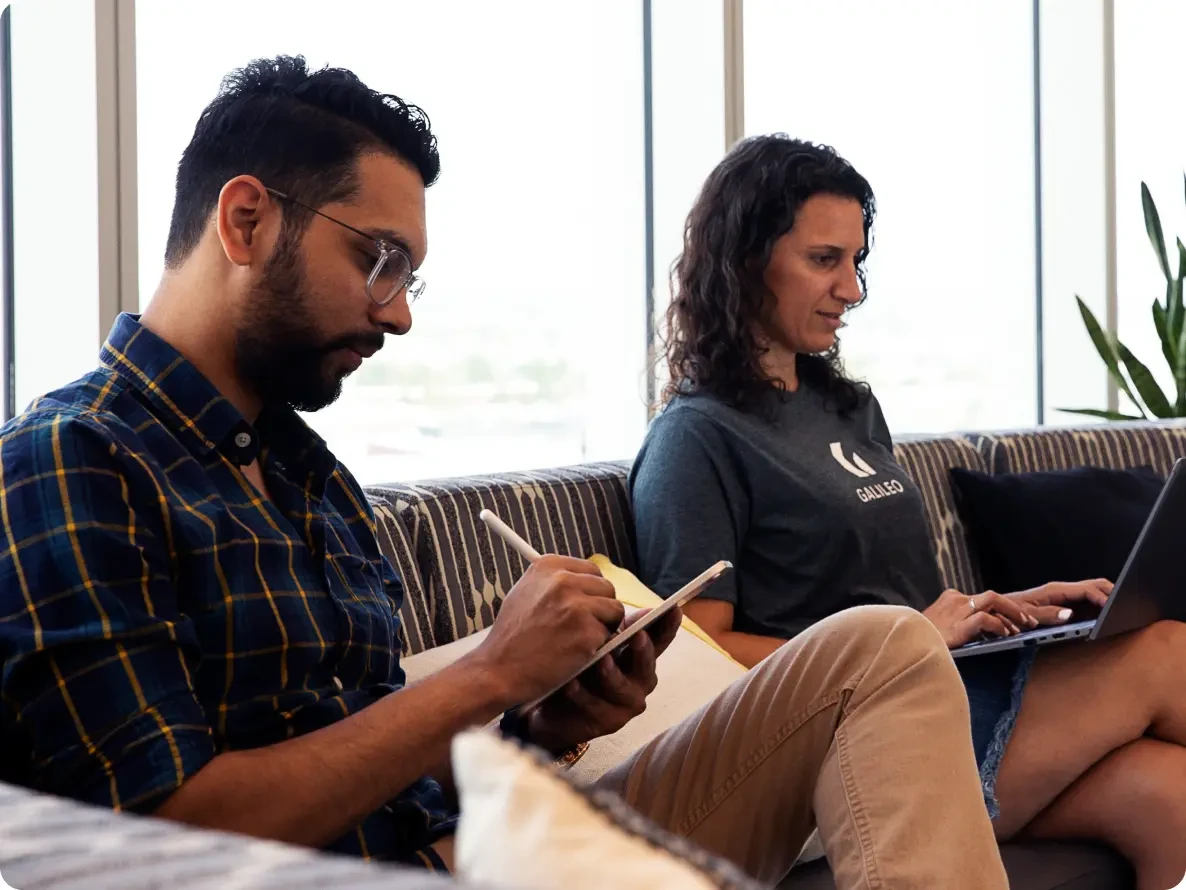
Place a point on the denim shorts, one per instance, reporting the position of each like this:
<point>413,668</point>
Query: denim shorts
<point>995,684</point>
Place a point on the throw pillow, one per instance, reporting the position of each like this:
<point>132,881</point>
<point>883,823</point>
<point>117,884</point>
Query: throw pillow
<point>524,825</point>
<point>1031,528</point>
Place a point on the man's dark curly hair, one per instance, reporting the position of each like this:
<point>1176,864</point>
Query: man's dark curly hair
<point>720,298</point>
<point>298,131</point>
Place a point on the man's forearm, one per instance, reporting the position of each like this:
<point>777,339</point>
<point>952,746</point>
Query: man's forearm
<point>313,789</point>
<point>749,649</point>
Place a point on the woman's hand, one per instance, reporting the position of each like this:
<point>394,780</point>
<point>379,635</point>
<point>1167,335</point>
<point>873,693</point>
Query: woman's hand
<point>961,619</point>
<point>1051,603</point>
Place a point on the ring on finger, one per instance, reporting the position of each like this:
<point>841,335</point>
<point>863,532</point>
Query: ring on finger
<point>972,603</point>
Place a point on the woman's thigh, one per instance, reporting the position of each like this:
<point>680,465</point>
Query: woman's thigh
<point>1082,702</point>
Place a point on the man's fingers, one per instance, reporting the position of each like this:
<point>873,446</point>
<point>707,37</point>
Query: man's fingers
<point>593,585</point>
<point>581,698</point>
<point>567,564</point>
<point>664,631</point>
<point>609,612</point>
<point>642,662</point>
<point>609,687</point>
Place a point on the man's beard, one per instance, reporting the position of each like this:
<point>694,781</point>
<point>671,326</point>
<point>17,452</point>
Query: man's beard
<point>279,351</point>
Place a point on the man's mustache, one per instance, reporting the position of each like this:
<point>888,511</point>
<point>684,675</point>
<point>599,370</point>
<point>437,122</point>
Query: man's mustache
<point>365,343</point>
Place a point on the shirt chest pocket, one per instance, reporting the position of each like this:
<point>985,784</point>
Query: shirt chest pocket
<point>352,578</point>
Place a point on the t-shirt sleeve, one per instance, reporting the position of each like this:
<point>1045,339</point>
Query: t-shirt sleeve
<point>689,504</point>
<point>98,658</point>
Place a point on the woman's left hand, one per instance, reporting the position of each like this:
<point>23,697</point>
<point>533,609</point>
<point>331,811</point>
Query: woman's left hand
<point>1052,603</point>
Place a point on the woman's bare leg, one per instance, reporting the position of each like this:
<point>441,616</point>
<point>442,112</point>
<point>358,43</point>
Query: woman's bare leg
<point>1083,703</point>
<point>1132,801</point>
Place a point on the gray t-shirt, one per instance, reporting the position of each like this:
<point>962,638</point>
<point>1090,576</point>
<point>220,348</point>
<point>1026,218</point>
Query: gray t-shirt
<point>809,506</point>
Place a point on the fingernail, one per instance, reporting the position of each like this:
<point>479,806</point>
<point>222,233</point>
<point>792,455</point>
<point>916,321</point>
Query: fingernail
<point>1032,620</point>
<point>1064,614</point>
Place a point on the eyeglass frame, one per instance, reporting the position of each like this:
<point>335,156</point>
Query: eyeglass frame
<point>412,283</point>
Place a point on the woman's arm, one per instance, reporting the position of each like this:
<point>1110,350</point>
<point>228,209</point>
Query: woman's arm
<point>715,618</point>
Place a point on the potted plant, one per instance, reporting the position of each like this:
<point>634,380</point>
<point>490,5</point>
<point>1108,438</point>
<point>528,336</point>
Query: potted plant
<point>1130,374</point>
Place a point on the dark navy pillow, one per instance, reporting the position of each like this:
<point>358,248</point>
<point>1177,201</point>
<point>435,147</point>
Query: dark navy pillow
<point>1060,525</point>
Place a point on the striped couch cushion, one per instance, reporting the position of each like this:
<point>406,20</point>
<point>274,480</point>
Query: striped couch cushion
<point>1117,445</point>
<point>460,573</point>
<point>929,461</point>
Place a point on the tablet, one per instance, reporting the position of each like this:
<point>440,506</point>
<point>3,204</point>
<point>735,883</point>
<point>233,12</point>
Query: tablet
<point>677,599</point>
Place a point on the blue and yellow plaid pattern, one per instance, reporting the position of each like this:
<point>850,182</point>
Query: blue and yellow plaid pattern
<point>155,610</point>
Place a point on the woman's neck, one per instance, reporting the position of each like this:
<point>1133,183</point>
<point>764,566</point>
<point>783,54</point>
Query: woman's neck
<point>779,363</point>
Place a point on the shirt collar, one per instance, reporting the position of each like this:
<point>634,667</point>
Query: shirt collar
<point>190,405</point>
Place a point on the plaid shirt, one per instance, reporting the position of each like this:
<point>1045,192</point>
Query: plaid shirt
<point>155,610</point>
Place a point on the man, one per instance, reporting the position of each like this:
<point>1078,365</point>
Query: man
<point>196,621</point>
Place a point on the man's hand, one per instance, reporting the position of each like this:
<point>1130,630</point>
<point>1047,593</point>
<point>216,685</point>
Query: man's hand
<point>607,696</point>
<point>1053,603</point>
<point>550,624</point>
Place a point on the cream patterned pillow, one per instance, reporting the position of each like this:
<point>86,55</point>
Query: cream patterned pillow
<point>524,825</point>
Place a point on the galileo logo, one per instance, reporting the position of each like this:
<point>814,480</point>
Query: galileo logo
<point>856,466</point>
<point>880,490</point>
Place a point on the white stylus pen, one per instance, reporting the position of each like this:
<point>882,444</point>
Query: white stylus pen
<point>512,540</point>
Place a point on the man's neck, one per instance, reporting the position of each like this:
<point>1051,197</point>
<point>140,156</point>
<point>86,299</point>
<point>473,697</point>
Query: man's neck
<point>182,315</point>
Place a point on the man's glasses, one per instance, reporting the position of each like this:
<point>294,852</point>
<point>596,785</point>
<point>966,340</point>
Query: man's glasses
<point>392,271</point>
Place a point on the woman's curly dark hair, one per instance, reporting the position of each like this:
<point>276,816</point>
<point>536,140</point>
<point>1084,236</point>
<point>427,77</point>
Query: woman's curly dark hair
<point>720,297</point>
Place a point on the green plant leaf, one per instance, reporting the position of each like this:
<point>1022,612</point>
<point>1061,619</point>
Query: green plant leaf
<point>1104,346</point>
<point>1142,379</point>
<point>1169,346</point>
<point>1153,229</point>
<point>1173,297</point>
<point>1096,412</point>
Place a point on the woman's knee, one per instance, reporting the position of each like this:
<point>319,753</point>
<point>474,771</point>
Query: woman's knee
<point>1156,656</point>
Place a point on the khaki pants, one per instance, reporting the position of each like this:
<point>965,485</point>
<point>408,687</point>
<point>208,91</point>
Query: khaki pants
<point>859,725</point>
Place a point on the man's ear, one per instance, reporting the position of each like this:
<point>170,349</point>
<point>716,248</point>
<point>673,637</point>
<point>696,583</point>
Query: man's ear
<point>247,220</point>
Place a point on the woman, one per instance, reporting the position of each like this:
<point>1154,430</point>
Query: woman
<point>754,458</point>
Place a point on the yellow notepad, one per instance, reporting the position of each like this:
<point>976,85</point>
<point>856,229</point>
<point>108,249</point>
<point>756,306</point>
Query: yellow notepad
<point>632,592</point>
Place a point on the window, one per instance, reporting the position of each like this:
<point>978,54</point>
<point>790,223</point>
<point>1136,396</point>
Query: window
<point>689,126</point>
<point>528,346</point>
<point>55,195</point>
<point>933,102</point>
<point>1150,148</point>
<point>1074,230</point>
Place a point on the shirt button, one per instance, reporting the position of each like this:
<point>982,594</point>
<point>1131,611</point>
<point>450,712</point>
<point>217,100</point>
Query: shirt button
<point>338,683</point>
<point>242,439</point>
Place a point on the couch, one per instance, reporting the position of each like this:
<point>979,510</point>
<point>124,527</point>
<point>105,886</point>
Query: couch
<point>456,576</point>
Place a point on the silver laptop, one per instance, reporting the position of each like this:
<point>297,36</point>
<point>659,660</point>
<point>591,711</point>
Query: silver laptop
<point>1151,587</point>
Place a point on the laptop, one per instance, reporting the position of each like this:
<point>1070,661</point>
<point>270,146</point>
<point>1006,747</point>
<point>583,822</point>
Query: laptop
<point>1151,587</point>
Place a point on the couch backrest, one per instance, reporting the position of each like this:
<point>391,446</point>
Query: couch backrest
<point>455,575</point>
<point>929,460</point>
<point>1117,445</point>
